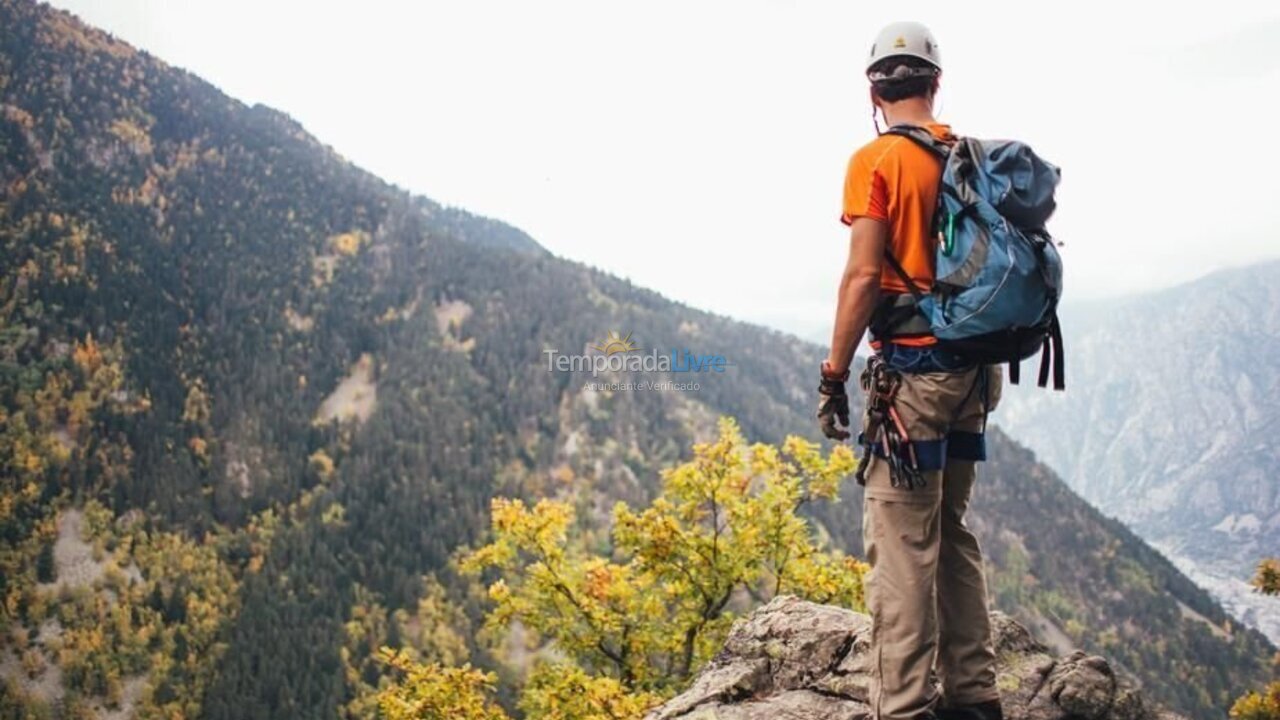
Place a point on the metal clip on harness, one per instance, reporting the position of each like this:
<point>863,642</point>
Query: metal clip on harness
<point>885,429</point>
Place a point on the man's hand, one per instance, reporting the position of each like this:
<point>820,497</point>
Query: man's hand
<point>833,404</point>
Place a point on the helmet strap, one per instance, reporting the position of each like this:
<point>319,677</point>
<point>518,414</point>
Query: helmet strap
<point>875,121</point>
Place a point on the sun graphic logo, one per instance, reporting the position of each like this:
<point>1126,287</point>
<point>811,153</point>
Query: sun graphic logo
<point>614,343</point>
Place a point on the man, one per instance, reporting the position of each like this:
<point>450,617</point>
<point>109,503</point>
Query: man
<point>926,590</point>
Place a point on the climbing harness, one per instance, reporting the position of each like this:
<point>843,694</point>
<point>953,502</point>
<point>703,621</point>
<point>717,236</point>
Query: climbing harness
<point>885,430</point>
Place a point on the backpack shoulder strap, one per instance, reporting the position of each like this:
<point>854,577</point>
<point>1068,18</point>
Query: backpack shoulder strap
<point>923,138</point>
<point>942,151</point>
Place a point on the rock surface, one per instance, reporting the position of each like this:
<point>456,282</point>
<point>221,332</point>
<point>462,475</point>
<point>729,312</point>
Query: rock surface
<point>796,660</point>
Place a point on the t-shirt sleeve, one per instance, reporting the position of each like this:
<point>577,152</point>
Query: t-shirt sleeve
<point>865,192</point>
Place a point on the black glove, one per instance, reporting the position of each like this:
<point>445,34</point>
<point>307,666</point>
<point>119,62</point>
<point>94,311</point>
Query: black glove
<point>833,404</point>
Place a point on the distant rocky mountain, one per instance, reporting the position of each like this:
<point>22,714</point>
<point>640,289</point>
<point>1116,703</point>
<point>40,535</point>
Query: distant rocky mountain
<point>1169,422</point>
<point>253,399</point>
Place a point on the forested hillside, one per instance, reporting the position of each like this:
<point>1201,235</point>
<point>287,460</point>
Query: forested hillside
<point>253,398</point>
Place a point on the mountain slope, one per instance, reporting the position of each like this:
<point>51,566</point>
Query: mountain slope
<point>1063,566</point>
<point>279,392</point>
<point>1167,424</point>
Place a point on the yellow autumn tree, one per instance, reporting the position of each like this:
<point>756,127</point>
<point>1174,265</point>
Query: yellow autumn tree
<point>348,243</point>
<point>1267,580</point>
<point>1264,705</point>
<point>433,692</point>
<point>630,626</point>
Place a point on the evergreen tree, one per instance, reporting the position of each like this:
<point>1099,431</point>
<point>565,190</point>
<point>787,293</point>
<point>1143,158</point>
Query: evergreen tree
<point>46,566</point>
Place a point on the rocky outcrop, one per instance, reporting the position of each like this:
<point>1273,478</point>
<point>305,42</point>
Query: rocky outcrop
<point>797,660</point>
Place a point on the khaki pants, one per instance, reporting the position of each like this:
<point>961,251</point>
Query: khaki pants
<point>926,590</point>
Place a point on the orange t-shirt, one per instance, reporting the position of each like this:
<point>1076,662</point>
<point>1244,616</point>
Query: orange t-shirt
<point>895,181</point>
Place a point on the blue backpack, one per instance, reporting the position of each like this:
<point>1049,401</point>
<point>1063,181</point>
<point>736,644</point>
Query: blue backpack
<point>998,273</point>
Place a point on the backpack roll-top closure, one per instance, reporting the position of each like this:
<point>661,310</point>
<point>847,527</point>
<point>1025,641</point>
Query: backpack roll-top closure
<point>1018,182</point>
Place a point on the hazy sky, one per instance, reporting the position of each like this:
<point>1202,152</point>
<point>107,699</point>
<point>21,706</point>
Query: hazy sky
<point>699,148</point>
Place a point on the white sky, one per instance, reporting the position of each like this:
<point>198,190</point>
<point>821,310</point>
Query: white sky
<point>698,148</point>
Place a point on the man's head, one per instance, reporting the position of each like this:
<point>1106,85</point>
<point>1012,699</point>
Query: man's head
<point>904,63</point>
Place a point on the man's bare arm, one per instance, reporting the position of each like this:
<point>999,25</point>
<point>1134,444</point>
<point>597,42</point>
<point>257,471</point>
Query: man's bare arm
<point>859,290</point>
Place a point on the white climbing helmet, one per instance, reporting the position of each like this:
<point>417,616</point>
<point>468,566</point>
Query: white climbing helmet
<point>910,39</point>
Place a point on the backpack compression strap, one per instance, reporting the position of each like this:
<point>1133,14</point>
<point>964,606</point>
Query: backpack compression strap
<point>1052,357</point>
<point>1058,360</point>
